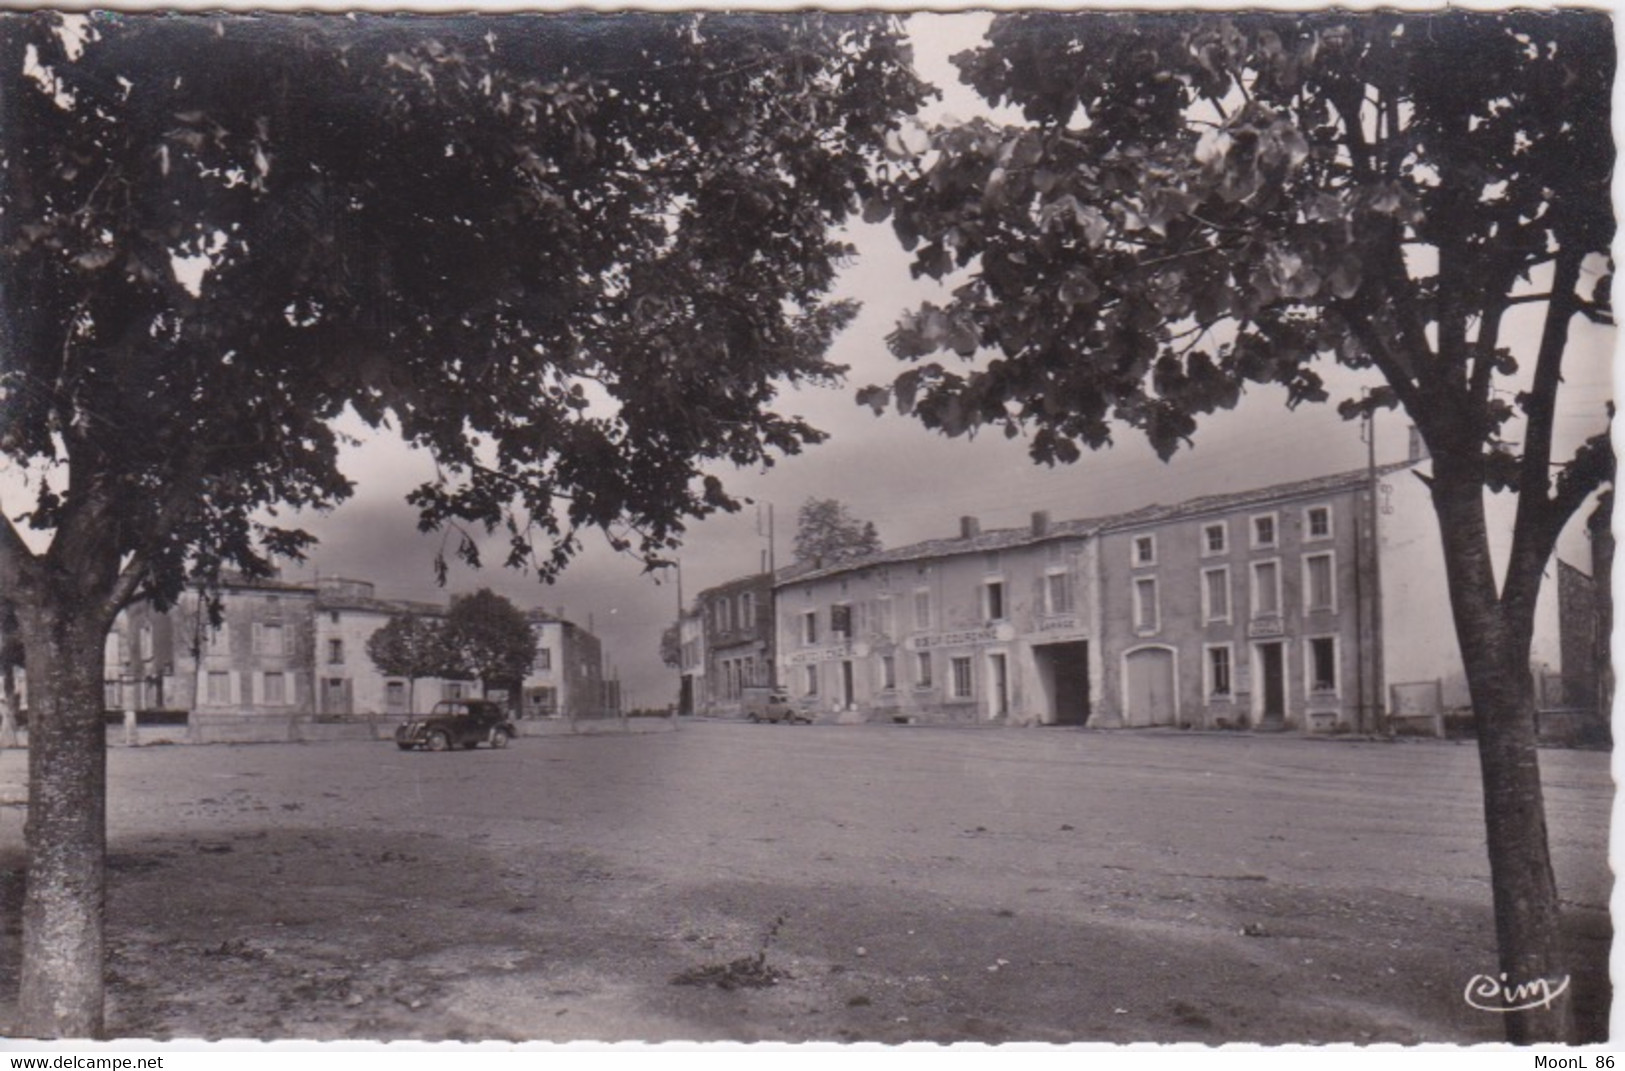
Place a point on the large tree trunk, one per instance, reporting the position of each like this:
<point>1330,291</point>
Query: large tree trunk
<point>1495,646</point>
<point>66,831</point>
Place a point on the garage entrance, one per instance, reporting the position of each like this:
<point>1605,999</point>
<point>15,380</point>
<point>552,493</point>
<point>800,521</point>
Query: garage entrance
<point>1149,691</point>
<point>1063,678</point>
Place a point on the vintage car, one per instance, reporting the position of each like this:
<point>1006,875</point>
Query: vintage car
<point>771,704</point>
<point>457,723</point>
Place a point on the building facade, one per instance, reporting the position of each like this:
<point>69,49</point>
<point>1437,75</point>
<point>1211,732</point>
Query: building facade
<point>566,678</point>
<point>737,640</point>
<point>1316,606</point>
<point>1250,610</point>
<point>990,626</point>
<point>258,660</point>
<point>284,649</point>
<point>690,661</point>
<point>348,612</point>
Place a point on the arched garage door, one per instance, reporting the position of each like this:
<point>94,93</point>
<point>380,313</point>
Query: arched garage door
<point>1149,687</point>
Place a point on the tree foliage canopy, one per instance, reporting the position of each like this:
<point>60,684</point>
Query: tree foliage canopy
<point>1199,204</point>
<point>827,532</point>
<point>671,645</point>
<point>574,265</point>
<point>489,638</point>
<point>412,646</point>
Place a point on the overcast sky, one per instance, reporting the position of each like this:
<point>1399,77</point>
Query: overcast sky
<point>912,483</point>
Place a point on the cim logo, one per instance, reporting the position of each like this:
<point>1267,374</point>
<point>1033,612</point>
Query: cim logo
<point>1495,994</point>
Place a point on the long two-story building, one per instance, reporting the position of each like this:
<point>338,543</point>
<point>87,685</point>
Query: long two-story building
<point>1318,606</point>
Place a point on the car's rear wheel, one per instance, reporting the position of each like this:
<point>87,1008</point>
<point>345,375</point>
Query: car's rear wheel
<point>499,738</point>
<point>439,742</point>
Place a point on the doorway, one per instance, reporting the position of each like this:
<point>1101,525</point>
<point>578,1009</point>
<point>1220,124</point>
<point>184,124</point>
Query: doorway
<point>1271,684</point>
<point>998,695</point>
<point>1149,687</point>
<point>1063,677</point>
<point>849,697</point>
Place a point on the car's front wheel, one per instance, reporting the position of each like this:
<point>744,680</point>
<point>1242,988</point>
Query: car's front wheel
<point>499,738</point>
<point>439,742</point>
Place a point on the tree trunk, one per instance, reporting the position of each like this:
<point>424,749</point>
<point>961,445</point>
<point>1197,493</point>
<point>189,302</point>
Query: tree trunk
<point>66,831</point>
<point>8,708</point>
<point>1495,650</point>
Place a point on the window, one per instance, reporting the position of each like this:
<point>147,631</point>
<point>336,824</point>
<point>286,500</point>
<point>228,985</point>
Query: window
<point>146,641</point>
<point>395,695</point>
<point>888,672</point>
<point>1215,538</point>
<point>993,600</point>
<point>1319,587</point>
<point>270,637</point>
<point>1145,604</point>
<point>1263,531</point>
<point>840,620</point>
<point>449,690</point>
<point>276,690</point>
<point>809,627</point>
<point>219,687</point>
<point>335,652</point>
<point>220,639</point>
<point>112,694</point>
<point>922,610</point>
<point>1145,550</point>
<point>747,610</point>
<point>1058,593</point>
<point>1317,522</point>
<point>1267,588</point>
<point>1216,594</point>
<point>961,674</point>
<point>922,669</point>
<point>1323,665</point>
<point>544,660</point>
<point>1218,672</point>
<point>883,616</point>
<point>113,651</point>
<point>811,680</point>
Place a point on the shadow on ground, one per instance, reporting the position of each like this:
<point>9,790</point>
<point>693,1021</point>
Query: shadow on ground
<point>341,934</point>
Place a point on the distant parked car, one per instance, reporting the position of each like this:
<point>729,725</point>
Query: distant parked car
<point>771,704</point>
<point>457,723</point>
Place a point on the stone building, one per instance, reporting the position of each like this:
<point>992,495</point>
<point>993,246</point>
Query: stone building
<point>1314,606</point>
<point>257,661</point>
<point>736,637</point>
<point>997,625</point>
<point>567,675</point>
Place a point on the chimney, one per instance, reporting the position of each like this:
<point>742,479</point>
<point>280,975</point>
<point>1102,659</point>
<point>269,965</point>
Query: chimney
<point>969,528</point>
<point>1040,522</point>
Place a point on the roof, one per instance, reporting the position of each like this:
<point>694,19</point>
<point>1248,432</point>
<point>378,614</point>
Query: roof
<point>368,604</point>
<point>1003,538</point>
<point>239,582</point>
<point>992,539</point>
<point>1311,488</point>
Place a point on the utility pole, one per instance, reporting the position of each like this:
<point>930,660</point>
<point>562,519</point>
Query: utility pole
<point>772,606</point>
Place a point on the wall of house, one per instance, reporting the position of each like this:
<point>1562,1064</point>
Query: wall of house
<point>584,672</point>
<point>736,620</point>
<point>256,662</point>
<point>1163,620</point>
<point>963,636</point>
